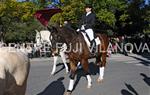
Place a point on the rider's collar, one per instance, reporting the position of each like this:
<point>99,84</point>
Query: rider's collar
<point>88,13</point>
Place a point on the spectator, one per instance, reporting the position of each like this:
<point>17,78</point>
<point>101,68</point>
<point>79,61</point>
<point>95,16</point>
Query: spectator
<point>29,51</point>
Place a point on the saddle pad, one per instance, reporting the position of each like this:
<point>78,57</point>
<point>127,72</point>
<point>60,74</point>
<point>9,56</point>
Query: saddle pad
<point>97,40</point>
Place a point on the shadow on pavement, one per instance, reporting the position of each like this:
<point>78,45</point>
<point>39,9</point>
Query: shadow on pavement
<point>129,90</point>
<point>146,55</point>
<point>55,88</point>
<point>63,67</point>
<point>125,92</point>
<point>94,69</point>
<point>144,62</point>
<point>146,79</point>
<point>80,73</point>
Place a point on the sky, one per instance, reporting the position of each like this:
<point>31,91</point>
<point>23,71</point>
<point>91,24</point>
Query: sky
<point>147,2</point>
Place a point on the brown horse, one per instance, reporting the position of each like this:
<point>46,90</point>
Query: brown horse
<point>78,51</point>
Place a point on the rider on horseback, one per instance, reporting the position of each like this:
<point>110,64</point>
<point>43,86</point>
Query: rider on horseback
<point>87,23</point>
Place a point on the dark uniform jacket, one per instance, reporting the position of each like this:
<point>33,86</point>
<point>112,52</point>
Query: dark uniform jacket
<point>88,21</point>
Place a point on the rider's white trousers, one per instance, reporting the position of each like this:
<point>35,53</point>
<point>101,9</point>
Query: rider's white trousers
<point>90,33</point>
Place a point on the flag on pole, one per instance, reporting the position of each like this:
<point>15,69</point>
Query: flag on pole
<point>45,15</point>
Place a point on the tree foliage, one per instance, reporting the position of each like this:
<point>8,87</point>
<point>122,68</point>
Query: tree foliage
<point>17,20</point>
<point>124,16</point>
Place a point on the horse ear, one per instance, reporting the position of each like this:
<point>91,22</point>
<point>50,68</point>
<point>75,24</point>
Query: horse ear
<point>52,29</point>
<point>36,31</point>
<point>49,28</point>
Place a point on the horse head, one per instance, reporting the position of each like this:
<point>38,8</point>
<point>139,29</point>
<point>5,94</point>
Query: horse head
<point>62,36</point>
<point>57,39</point>
<point>38,38</point>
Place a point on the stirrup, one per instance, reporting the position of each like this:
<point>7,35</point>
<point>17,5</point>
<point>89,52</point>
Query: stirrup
<point>93,50</point>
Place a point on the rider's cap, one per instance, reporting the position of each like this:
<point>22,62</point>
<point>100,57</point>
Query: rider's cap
<point>88,6</point>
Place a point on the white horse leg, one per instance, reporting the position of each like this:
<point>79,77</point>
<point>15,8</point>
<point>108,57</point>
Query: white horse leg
<point>89,81</point>
<point>63,57</point>
<point>70,88</point>
<point>71,84</point>
<point>101,74</point>
<point>54,65</point>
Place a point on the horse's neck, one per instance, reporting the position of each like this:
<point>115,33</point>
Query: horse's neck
<point>73,37</point>
<point>68,34</point>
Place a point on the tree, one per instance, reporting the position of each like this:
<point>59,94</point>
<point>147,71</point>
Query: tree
<point>17,20</point>
<point>72,10</point>
<point>137,13</point>
<point>119,16</point>
<point>147,19</point>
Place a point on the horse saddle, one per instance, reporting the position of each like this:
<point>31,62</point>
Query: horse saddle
<point>89,43</point>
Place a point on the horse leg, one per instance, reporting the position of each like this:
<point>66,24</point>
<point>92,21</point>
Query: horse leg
<point>102,67</point>
<point>54,65</point>
<point>85,66</point>
<point>72,76</point>
<point>98,59</point>
<point>62,54</point>
<point>2,80</point>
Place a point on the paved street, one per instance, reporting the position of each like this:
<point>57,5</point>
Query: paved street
<point>124,75</point>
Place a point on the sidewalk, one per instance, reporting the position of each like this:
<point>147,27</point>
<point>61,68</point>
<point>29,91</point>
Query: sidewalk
<point>41,59</point>
<point>145,56</point>
<point>114,57</point>
<point>131,58</point>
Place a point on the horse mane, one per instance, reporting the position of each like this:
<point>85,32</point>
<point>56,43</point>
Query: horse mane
<point>67,33</point>
<point>71,38</point>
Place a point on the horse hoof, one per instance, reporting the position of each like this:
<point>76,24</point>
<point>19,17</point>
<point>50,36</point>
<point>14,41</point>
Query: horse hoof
<point>68,93</point>
<point>67,72</point>
<point>52,74</point>
<point>89,86</point>
<point>99,80</point>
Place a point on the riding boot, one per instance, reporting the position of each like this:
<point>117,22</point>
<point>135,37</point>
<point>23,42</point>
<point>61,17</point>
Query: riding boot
<point>93,46</point>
